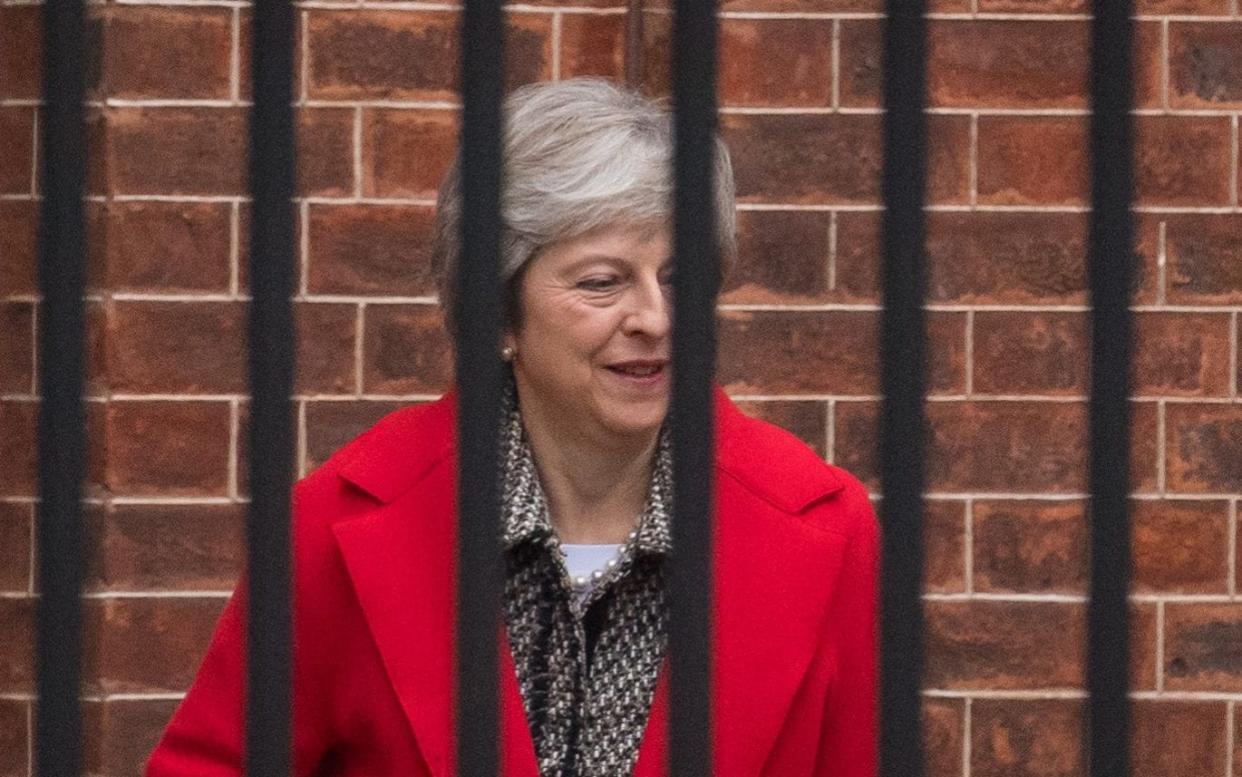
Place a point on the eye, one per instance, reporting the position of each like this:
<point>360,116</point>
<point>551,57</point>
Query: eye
<point>597,283</point>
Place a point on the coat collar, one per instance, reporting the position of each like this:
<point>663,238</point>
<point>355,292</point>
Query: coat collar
<point>772,585</point>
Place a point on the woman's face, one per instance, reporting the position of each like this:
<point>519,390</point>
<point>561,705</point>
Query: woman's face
<point>593,344</point>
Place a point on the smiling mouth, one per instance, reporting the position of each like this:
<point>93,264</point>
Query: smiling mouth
<point>638,369</point>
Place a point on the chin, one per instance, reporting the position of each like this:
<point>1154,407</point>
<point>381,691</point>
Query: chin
<point>636,421</point>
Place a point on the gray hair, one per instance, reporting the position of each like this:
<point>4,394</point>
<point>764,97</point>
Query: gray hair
<point>579,154</point>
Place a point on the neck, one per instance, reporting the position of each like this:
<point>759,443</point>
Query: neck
<point>596,489</point>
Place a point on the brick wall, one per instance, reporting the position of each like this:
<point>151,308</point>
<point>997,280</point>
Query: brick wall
<point>799,85</point>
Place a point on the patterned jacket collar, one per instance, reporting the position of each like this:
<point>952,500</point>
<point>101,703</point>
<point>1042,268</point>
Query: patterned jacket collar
<point>524,507</point>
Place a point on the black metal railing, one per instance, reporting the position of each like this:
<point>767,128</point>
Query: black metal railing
<point>61,556</point>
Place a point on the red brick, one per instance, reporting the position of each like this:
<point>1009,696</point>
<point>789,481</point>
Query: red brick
<point>1004,645</point>
<point>406,153</point>
<point>168,448</point>
<point>1016,352</point>
<point>121,733</point>
<point>1204,447</point>
<point>196,151</point>
<point>1182,160</point>
<point>776,62</point>
<point>17,448</point>
<point>136,645</point>
<point>325,149</point>
<point>95,350</point>
<point>982,258</point>
<point>16,527</point>
<point>20,52</point>
<point>828,159</point>
<point>406,350</point>
<point>371,249</point>
<point>17,648</point>
<point>161,246</point>
<point>782,258</point>
<point>1205,65</point>
<point>1033,160</point>
<point>176,347</point>
<point>161,547</point>
<point>1181,546</point>
<point>18,222</point>
<point>807,420</point>
<point>1027,738</point>
<point>944,540</point>
<point>594,44</point>
<point>1181,354</point>
<point>200,347</point>
<point>1202,254</point>
<point>17,348</point>
<point>861,62</point>
<point>192,59</point>
<point>330,425</point>
<point>15,725</point>
<point>1177,738</point>
<point>834,6</point>
<point>411,55</point>
<point>783,352</point>
<point>943,732</point>
<point>1019,64</point>
<point>1030,546</point>
<point>17,152</point>
<point>1203,647</point>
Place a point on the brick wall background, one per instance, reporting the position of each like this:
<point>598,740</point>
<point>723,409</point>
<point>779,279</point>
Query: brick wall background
<point>799,89</point>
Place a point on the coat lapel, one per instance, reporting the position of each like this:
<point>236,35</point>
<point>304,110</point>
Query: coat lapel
<point>774,576</point>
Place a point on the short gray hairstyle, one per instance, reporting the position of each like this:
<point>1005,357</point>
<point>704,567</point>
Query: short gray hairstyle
<point>580,154</point>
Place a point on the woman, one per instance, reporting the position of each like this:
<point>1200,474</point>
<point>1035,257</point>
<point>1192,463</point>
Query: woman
<point>586,514</point>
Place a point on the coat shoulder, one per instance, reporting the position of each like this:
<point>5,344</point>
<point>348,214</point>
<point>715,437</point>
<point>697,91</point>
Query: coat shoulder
<point>784,471</point>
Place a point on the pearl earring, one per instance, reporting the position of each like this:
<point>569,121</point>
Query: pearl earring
<point>508,352</point>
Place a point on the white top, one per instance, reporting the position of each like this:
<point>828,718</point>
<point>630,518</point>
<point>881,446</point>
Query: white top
<point>582,560</point>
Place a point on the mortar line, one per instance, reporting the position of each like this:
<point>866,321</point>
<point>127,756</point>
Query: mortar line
<point>304,70</point>
<point>1159,646</point>
<point>358,153</point>
<point>34,155</point>
<point>974,159</point>
<point>836,64</point>
<point>1233,154</point>
<point>34,557</point>
<point>830,432</point>
<point>359,333</point>
<point>301,439</point>
<point>235,58</point>
<point>234,248</point>
<point>34,349</point>
<point>1233,354</point>
<point>304,248</point>
<point>1164,64</point>
<point>967,713</point>
<point>832,251</point>
<point>556,46</point>
<point>234,446</point>
<point>1233,548</point>
<point>1160,442</point>
<point>1162,263</point>
<point>968,547</point>
<point>970,353</point>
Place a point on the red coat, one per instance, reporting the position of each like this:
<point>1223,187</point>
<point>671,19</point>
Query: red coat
<point>794,657</point>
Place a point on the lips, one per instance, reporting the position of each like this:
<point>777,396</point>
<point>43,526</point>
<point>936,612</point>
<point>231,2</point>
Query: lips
<point>639,368</point>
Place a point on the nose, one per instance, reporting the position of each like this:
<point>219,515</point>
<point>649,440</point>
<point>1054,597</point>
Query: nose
<point>650,310</point>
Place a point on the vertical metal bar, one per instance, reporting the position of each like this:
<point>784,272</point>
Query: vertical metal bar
<point>62,425</point>
<point>1110,272</point>
<point>480,385</point>
<point>272,349</point>
<point>903,371</point>
<point>696,254</point>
